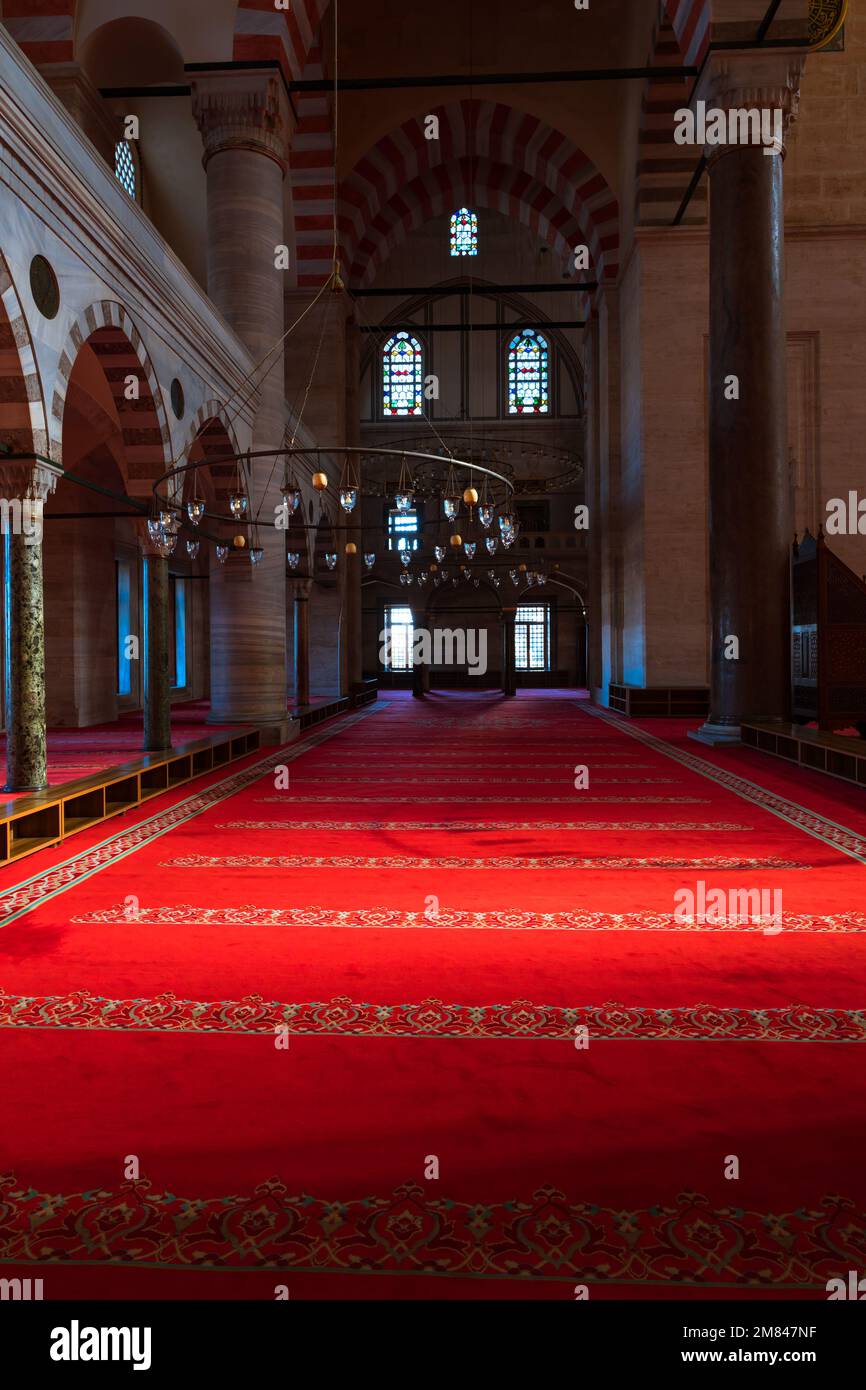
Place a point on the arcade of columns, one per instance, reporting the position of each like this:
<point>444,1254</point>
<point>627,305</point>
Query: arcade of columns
<point>246,126</point>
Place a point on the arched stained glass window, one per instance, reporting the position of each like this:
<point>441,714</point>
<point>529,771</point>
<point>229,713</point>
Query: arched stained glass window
<point>124,166</point>
<point>528,374</point>
<point>464,233</point>
<point>402,376</point>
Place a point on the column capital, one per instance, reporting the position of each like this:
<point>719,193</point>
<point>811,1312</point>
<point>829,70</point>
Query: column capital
<point>243,110</point>
<point>747,83</point>
<point>30,480</point>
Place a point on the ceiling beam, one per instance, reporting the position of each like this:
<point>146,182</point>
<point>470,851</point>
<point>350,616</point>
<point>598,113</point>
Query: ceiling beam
<point>516,325</point>
<point>482,288</point>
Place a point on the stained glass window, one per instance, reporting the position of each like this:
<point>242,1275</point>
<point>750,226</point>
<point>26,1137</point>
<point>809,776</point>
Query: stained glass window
<point>124,166</point>
<point>464,233</point>
<point>532,637</point>
<point>402,376</point>
<point>528,359</point>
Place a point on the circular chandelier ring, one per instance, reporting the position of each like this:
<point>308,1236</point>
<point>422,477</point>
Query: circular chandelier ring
<point>318,450</point>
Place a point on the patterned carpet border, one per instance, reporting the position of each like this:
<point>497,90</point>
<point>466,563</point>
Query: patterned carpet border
<point>520,1020</point>
<point>546,1238</point>
<point>41,887</point>
<point>459,919</point>
<point>839,837</point>
<point>676,827</point>
<point>287,800</point>
<point>461,861</point>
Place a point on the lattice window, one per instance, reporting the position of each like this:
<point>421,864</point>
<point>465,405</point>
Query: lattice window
<point>532,637</point>
<point>528,374</point>
<point>399,633</point>
<point>464,233</point>
<point>124,166</point>
<point>402,376</point>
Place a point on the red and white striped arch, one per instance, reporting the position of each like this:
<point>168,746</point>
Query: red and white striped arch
<point>287,36</point>
<point>312,173</point>
<point>664,168</point>
<point>535,173</point>
<point>44,29</point>
<point>691,21</point>
<point>474,183</point>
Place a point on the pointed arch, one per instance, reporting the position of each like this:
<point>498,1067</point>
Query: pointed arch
<point>107,328</point>
<point>22,404</point>
<point>487,153</point>
<point>479,182</point>
<point>212,436</point>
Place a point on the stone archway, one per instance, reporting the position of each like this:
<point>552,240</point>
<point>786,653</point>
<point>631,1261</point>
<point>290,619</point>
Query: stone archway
<point>107,328</point>
<point>26,483</point>
<point>22,408</point>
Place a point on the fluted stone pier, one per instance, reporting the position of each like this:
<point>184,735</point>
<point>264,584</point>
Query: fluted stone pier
<point>246,123</point>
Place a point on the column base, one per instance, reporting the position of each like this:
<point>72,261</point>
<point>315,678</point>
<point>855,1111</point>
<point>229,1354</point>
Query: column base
<point>31,787</point>
<point>284,731</point>
<point>717,735</point>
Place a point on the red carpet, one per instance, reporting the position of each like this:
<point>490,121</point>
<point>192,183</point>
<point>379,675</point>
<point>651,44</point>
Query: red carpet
<point>292,1005</point>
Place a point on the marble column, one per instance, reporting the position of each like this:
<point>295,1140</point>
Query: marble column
<point>157,670</point>
<point>750,520</point>
<point>25,487</point>
<point>302,588</point>
<point>245,120</point>
<point>509,674</point>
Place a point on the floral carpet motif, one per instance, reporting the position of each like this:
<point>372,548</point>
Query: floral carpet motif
<point>675,827</point>
<point>412,1231</point>
<point>839,836</point>
<point>433,1018</point>
<point>505,919</point>
<point>460,861</point>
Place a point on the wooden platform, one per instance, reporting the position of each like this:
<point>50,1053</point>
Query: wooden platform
<point>822,752</point>
<point>660,702</point>
<point>32,822</point>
